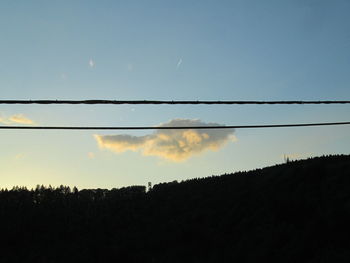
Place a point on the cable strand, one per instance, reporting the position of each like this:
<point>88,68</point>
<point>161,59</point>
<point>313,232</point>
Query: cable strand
<point>171,128</point>
<point>174,102</point>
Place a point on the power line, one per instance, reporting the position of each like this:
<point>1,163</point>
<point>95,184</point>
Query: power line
<point>174,102</point>
<point>170,128</point>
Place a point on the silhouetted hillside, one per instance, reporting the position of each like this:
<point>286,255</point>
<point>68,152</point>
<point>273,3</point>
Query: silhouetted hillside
<point>294,212</point>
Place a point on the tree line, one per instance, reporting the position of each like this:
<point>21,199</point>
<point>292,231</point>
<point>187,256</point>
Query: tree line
<point>293,212</point>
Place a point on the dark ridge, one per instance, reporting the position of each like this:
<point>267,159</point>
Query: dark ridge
<point>294,212</point>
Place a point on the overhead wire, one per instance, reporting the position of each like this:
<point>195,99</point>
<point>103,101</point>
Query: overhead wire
<point>174,102</point>
<point>171,127</point>
<point>171,102</point>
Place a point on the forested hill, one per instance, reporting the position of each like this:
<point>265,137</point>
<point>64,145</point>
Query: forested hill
<point>295,212</point>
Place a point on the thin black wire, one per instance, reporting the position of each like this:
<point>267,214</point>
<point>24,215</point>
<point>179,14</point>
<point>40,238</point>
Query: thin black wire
<point>171,128</point>
<point>173,102</point>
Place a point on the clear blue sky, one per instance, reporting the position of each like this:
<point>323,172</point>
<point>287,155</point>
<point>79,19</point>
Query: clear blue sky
<point>196,50</point>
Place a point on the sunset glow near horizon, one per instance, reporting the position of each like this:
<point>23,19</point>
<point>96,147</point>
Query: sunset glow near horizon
<point>168,50</point>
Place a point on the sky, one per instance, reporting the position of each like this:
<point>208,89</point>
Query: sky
<point>168,50</point>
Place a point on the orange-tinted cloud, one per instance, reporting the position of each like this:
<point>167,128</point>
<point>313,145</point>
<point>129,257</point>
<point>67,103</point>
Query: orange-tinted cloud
<point>174,145</point>
<point>91,155</point>
<point>17,118</point>
<point>20,118</point>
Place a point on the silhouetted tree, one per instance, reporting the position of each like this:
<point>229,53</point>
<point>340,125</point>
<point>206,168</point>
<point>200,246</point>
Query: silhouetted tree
<point>295,212</point>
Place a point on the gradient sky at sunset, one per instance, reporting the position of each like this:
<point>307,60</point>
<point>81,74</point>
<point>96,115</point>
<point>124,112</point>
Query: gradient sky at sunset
<point>171,50</point>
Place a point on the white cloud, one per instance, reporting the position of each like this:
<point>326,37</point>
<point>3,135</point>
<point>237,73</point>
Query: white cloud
<point>91,63</point>
<point>174,145</point>
<point>179,63</point>
<point>17,118</point>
